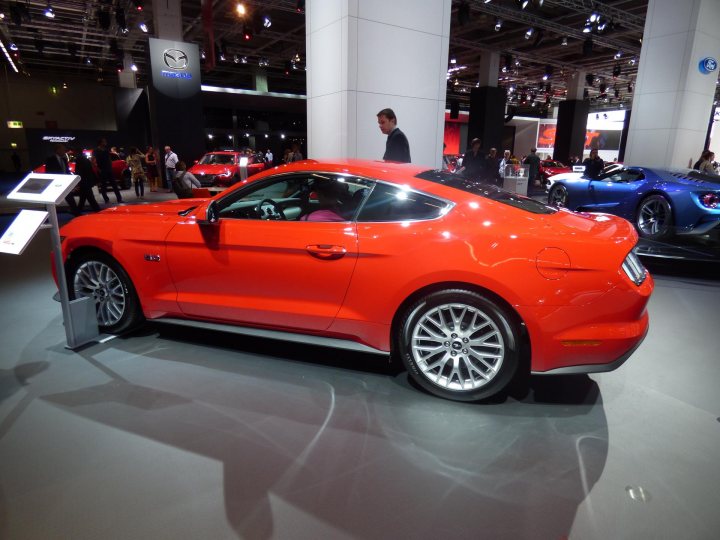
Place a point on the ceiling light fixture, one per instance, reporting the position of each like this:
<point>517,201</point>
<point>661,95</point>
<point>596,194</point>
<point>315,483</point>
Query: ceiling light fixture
<point>588,27</point>
<point>618,55</point>
<point>564,41</point>
<point>143,27</point>
<point>240,9</point>
<point>49,13</point>
<point>7,56</point>
<point>267,21</point>
<point>13,47</point>
<point>498,24</point>
<point>530,31</point>
<point>133,67</point>
<point>594,16</point>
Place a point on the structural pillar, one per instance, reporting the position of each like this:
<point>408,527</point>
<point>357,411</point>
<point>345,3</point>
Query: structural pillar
<point>571,119</point>
<point>366,55</point>
<point>673,95</point>
<point>487,104</point>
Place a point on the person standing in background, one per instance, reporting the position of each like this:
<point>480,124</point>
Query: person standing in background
<point>88,179</point>
<point>171,160</point>
<point>151,163</point>
<point>593,164</point>
<point>57,163</point>
<point>397,147</point>
<point>533,162</point>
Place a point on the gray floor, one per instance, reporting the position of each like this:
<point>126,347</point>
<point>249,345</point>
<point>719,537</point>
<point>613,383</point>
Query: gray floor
<point>170,433</point>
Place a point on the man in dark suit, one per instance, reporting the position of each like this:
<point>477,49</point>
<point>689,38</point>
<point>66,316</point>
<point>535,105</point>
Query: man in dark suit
<point>397,147</point>
<point>57,163</point>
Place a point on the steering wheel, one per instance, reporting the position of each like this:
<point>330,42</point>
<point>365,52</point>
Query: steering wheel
<point>269,209</point>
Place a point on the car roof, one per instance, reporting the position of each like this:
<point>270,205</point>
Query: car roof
<point>401,173</point>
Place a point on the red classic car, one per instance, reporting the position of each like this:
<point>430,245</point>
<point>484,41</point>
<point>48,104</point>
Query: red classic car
<point>549,167</point>
<point>467,283</point>
<point>120,170</point>
<point>223,168</point>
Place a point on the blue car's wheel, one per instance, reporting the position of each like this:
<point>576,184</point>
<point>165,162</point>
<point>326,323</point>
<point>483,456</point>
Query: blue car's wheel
<point>558,196</point>
<point>654,217</point>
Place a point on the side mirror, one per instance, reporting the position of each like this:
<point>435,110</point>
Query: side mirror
<point>211,215</point>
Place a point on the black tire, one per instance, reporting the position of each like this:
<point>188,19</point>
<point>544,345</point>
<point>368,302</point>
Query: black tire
<point>442,359</point>
<point>97,275</point>
<point>558,196</point>
<point>653,218</point>
<point>125,179</point>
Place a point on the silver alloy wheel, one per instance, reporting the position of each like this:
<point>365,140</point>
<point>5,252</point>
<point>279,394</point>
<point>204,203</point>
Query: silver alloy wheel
<point>654,216</point>
<point>457,346</point>
<point>98,281</point>
<point>558,195</point>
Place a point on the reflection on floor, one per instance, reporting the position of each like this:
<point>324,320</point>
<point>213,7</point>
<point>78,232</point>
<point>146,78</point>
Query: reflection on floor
<point>174,433</point>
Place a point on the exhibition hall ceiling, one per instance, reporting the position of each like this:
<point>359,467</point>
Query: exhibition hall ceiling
<point>541,44</point>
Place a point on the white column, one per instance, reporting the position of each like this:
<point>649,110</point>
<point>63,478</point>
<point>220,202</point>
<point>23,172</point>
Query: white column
<point>673,99</point>
<point>366,55</point>
<point>126,78</point>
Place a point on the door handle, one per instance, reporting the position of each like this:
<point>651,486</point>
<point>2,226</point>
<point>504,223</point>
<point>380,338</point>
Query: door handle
<point>326,251</point>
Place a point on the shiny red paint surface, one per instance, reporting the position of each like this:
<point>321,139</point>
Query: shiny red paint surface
<point>225,174</point>
<point>559,274</point>
<point>549,167</point>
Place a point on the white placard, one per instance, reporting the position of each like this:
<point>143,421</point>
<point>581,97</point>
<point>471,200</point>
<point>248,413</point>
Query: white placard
<point>21,231</point>
<point>44,188</point>
<point>578,168</point>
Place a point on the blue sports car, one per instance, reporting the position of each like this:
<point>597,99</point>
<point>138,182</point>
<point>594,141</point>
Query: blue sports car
<point>659,202</point>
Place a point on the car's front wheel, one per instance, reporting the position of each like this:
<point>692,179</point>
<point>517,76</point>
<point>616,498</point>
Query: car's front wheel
<point>459,345</point>
<point>654,217</point>
<point>98,276</point>
<point>558,196</point>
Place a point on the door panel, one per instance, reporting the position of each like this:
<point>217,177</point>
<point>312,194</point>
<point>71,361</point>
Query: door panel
<point>277,273</point>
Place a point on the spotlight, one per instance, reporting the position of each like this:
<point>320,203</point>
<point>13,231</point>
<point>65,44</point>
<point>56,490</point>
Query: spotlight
<point>65,86</point>
<point>133,67</point>
<point>88,61</point>
<point>49,13</point>
<point>602,24</point>
<point>222,57</point>
<point>243,59</point>
<point>548,72</point>
<point>202,54</point>
<point>633,61</point>
<point>247,33</point>
<point>296,58</point>
<point>138,4</point>
<point>564,41</point>
<point>236,59</point>
<point>143,27</point>
<point>300,6</point>
<point>498,24</point>
<point>240,9</point>
<point>594,16</point>
<point>618,55</point>
<point>530,31</point>
<point>522,4</point>
<point>588,27</point>
<point>267,21</point>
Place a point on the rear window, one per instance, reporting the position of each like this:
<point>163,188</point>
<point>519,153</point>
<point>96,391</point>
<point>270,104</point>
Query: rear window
<point>487,191</point>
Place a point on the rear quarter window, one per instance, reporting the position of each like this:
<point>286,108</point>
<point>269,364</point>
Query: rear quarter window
<point>392,203</point>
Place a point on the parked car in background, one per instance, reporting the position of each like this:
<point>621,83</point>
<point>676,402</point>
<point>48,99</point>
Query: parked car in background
<point>476,284</point>
<point>550,167</point>
<point>222,168</point>
<point>120,170</point>
<point>659,202</point>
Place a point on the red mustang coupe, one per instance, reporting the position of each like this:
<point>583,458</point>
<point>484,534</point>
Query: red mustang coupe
<point>223,168</point>
<point>463,281</point>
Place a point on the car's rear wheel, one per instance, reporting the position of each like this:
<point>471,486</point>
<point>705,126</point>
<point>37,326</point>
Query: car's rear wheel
<point>98,276</point>
<point>654,217</point>
<point>459,345</point>
<point>558,195</point>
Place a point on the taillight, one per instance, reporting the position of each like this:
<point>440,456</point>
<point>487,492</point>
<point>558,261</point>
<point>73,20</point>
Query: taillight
<point>710,200</point>
<point>634,269</point>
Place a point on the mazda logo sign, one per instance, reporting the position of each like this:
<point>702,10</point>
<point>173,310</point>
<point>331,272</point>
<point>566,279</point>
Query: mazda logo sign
<point>175,59</point>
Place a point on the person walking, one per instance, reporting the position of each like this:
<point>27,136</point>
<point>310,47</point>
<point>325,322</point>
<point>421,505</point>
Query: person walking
<point>104,165</point>
<point>88,179</point>
<point>397,147</point>
<point>57,163</point>
<point>137,173</point>
<point>171,161</point>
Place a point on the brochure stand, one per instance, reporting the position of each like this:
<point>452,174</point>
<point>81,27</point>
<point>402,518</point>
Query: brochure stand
<point>515,179</point>
<point>49,189</point>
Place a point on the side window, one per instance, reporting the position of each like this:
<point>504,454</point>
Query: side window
<point>391,203</point>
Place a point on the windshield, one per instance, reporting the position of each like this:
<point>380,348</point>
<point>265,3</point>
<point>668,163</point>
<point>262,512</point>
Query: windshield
<point>217,159</point>
<point>487,191</point>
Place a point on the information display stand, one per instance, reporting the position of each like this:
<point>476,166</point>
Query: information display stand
<point>49,189</point>
<point>515,179</point>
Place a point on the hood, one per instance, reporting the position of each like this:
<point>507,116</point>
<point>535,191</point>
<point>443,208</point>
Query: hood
<point>165,207</point>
